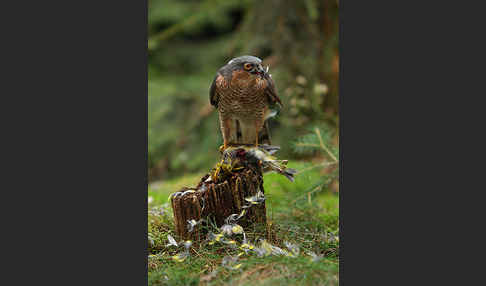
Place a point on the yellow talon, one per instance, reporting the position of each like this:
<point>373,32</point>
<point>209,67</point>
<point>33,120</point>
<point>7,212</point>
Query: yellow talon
<point>223,147</point>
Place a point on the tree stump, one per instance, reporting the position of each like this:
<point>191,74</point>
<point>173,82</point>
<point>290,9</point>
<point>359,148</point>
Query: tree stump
<point>213,201</point>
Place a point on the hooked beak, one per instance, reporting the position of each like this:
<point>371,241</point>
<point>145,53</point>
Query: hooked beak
<point>261,71</point>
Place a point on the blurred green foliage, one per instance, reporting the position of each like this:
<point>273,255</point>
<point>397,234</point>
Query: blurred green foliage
<point>189,40</point>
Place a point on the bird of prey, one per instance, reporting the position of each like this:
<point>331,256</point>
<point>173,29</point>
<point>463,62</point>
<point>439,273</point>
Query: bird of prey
<point>244,94</point>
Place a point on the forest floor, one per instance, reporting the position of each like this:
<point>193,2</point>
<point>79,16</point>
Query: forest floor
<point>307,220</point>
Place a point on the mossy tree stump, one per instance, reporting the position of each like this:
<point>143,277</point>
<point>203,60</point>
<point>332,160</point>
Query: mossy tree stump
<point>216,201</point>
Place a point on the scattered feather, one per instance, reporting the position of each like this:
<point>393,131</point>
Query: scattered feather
<point>157,211</point>
<point>237,229</point>
<point>279,251</point>
<point>259,251</point>
<point>187,244</point>
<point>171,241</point>
<point>203,187</point>
<point>267,247</point>
<point>295,250</point>
<point>180,257</point>
<point>230,262</point>
<point>315,257</point>
<point>212,238</point>
<point>231,219</point>
<point>231,243</point>
<point>204,204</point>
<point>227,229</point>
<point>256,199</point>
<point>245,245</point>
<point>192,223</point>
<point>218,237</point>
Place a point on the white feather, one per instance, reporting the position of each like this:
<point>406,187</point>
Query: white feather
<point>271,113</point>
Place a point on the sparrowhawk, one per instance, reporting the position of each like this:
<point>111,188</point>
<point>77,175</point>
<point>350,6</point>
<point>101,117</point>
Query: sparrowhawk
<point>245,96</point>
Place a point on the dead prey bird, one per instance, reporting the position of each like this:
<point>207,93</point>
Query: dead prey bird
<point>236,158</point>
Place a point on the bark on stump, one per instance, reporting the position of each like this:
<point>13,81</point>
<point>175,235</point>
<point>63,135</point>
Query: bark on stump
<point>219,200</point>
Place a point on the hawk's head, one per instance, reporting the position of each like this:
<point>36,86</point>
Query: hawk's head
<point>250,64</point>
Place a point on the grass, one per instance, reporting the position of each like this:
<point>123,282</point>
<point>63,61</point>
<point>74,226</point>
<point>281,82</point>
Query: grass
<point>309,221</point>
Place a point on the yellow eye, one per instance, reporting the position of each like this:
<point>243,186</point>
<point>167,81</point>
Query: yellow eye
<point>248,66</point>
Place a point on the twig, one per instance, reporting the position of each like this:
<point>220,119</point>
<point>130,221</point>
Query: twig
<point>324,146</point>
<point>325,164</point>
<point>174,29</point>
<point>318,188</point>
<point>307,145</point>
<point>205,7</point>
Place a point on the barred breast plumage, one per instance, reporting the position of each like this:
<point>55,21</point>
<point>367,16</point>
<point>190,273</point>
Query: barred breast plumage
<point>243,97</point>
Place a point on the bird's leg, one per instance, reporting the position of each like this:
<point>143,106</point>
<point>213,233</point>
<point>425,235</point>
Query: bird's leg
<point>224,146</point>
<point>256,140</point>
<point>226,130</point>
<point>258,127</point>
